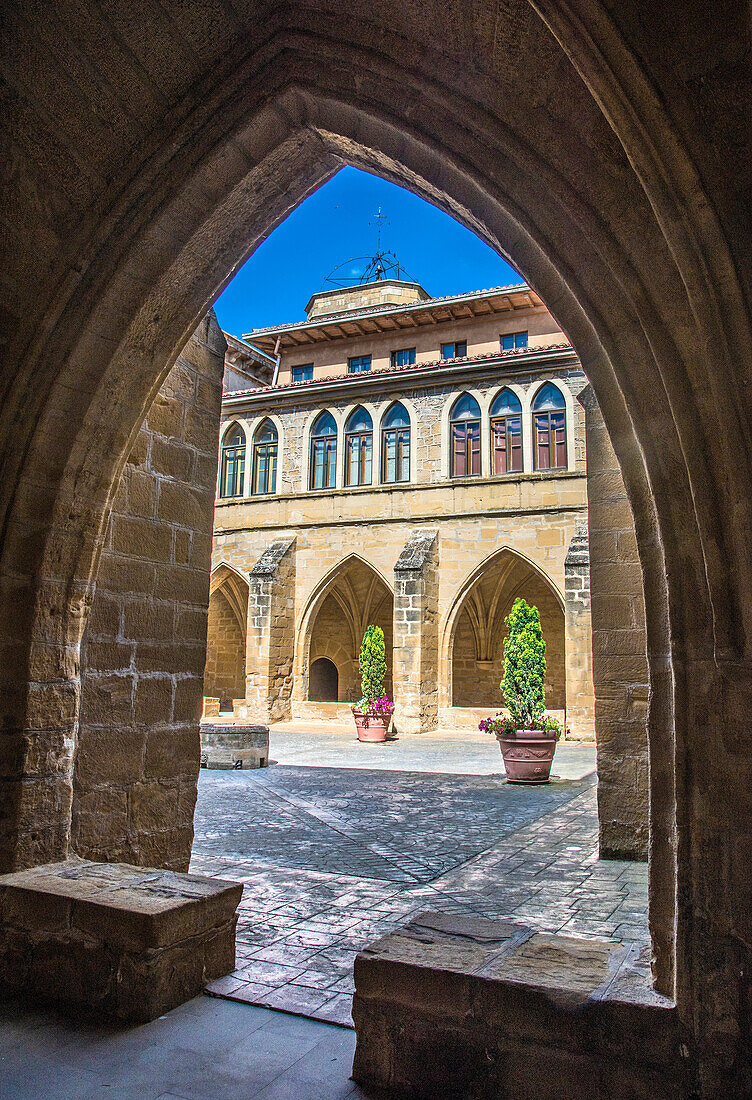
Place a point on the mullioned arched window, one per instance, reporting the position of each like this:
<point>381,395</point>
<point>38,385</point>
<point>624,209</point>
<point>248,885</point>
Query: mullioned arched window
<point>464,434</point>
<point>232,465</point>
<point>395,445</point>
<point>550,428</point>
<point>359,448</point>
<point>323,452</point>
<point>265,458</point>
<point>506,434</point>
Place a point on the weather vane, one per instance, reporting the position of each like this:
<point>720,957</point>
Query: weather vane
<point>383,264</point>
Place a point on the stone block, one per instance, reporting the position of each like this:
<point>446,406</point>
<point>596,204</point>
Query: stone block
<point>234,746</point>
<point>122,942</point>
<point>456,1006</point>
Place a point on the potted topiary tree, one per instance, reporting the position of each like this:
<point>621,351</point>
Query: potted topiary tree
<point>373,711</point>
<point>527,736</point>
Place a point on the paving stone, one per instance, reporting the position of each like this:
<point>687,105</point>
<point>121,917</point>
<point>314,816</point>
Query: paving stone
<point>335,857</point>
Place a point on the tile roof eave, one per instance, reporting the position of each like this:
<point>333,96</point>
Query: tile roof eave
<point>407,307</point>
<point>432,367</point>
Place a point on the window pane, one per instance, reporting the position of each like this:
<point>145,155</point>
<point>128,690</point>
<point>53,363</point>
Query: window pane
<point>447,351</point>
<point>302,373</point>
<point>317,465</point>
<point>331,459</point>
<point>460,349</point>
<point>405,449</point>
<point>390,456</point>
<point>474,434</point>
<point>520,339</point>
<point>514,443</point>
<point>543,445</point>
<point>354,461</point>
<point>458,450</point>
<point>465,408</point>
<point>403,358</point>
<point>560,436</point>
<point>499,437</point>
<point>548,399</point>
<point>366,448</point>
<point>271,484</point>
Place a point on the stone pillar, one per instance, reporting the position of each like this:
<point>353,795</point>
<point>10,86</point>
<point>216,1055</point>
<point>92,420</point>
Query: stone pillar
<point>415,671</point>
<point>270,642</point>
<point>142,661</point>
<point>620,666</point>
<point>579,660</point>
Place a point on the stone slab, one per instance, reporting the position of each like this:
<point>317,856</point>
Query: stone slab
<point>128,942</point>
<point>461,1006</point>
<point>234,745</point>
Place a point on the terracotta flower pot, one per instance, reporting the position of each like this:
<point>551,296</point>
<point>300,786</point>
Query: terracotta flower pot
<point>528,756</point>
<point>371,727</point>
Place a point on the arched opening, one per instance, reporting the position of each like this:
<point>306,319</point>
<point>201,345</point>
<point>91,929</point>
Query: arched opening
<point>549,428</point>
<point>395,444</point>
<point>224,674</point>
<point>265,459</point>
<point>232,462</point>
<point>359,448</point>
<point>351,598</point>
<point>464,446</point>
<point>637,292</point>
<point>478,633</point>
<point>323,455</point>
<point>323,681</point>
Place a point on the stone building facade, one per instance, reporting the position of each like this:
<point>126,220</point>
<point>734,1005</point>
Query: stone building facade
<point>321,530</point>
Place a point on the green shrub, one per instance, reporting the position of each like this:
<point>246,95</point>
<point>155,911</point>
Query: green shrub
<point>372,661</point>
<point>524,665</point>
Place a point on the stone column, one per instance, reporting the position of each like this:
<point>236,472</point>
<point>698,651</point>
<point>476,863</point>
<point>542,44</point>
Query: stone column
<point>271,634</point>
<point>620,666</point>
<point>415,671</point>
<point>579,661</point>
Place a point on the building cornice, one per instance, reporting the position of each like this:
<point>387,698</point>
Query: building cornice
<point>390,319</point>
<point>455,371</point>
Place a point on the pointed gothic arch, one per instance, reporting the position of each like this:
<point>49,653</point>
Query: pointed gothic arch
<point>471,648</point>
<point>351,595</point>
<point>226,632</point>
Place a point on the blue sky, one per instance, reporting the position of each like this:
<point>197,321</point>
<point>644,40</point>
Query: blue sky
<point>330,227</point>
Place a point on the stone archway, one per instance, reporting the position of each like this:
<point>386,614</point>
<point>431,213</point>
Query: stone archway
<point>477,632</point>
<point>352,596</point>
<point>226,634</point>
<point>566,139</point>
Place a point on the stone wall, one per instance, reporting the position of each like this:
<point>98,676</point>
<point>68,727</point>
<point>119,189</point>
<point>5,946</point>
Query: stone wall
<point>620,668</point>
<point>416,632</point>
<point>580,698</point>
<point>271,640</point>
<point>224,676</point>
<point>143,655</point>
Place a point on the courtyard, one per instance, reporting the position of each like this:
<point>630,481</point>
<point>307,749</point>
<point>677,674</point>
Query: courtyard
<point>339,842</point>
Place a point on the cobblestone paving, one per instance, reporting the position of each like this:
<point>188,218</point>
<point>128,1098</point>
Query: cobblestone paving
<point>334,857</point>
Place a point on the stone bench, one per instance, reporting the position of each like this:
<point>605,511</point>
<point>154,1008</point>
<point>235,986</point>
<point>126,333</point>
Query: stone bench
<point>234,745</point>
<point>451,1006</point>
<point>129,943</point>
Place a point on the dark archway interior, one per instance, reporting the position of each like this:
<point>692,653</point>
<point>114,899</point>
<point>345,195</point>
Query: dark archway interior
<point>323,681</point>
